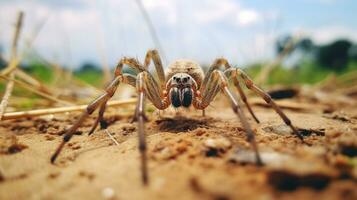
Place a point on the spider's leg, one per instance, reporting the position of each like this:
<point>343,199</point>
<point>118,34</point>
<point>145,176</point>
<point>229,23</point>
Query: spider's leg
<point>215,66</point>
<point>130,62</point>
<point>136,65</point>
<point>99,119</point>
<point>217,81</point>
<point>140,113</point>
<point>244,99</point>
<point>250,85</point>
<point>127,78</point>
<point>146,87</point>
<point>154,56</point>
<point>153,92</point>
<point>101,100</point>
<point>110,90</point>
<point>223,62</point>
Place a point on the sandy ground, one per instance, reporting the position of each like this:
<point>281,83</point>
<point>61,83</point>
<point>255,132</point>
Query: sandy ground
<point>190,156</point>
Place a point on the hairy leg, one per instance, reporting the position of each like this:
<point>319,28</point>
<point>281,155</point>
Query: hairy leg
<point>146,86</point>
<point>137,66</point>
<point>244,99</point>
<point>153,91</point>
<point>250,85</point>
<point>110,90</point>
<point>127,78</point>
<point>217,81</point>
<point>101,100</point>
<point>140,116</point>
<point>155,57</point>
<point>217,63</point>
<point>223,62</point>
<point>130,62</point>
<point>100,119</point>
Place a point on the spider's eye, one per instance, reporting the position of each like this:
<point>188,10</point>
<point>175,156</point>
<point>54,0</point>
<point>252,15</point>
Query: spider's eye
<point>185,79</point>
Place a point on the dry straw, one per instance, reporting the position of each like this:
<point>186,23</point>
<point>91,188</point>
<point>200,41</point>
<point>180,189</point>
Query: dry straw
<point>49,111</point>
<point>13,63</point>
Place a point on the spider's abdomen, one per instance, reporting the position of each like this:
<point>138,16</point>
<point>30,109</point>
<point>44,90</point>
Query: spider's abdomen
<point>186,66</point>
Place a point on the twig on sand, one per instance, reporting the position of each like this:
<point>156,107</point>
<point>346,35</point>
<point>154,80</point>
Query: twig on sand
<point>111,137</point>
<point>14,61</point>
<point>39,112</point>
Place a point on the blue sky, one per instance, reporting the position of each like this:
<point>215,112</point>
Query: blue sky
<point>76,31</point>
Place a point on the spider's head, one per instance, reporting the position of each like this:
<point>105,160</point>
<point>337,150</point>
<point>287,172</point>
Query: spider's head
<point>181,93</point>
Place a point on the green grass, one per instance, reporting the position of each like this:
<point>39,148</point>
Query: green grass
<point>91,77</point>
<point>40,72</point>
<point>306,73</point>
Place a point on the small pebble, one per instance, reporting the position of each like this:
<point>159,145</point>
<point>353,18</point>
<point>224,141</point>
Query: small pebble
<point>108,193</point>
<point>269,158</point>
<point>278,129</point>
<point>219,143</point>
<point>47,117</point>
<point>200,131</point>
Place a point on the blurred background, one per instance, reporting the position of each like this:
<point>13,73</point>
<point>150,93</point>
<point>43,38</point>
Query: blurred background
<point>276,42</point>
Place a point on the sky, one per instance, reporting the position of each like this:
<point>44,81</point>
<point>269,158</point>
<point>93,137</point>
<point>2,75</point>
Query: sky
<point>244,31</point>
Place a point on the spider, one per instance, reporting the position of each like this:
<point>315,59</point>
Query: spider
<point>185,84</point>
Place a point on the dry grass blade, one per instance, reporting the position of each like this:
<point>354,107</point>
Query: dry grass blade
<point>28,43</point>
<point>103,57</point>
<point>14,61</point>
<point>152,30</point>
<point>266,70</point>
<point>59,70</point>
<point>39,112</point>
<point>36,91</point>
<point>12,65</point>
<point>6,97</point>
<point>33,81</point>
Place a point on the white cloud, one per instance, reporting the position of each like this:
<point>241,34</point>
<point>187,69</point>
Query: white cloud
<point>161,8</point>
<point>213,11</point>
<point>225,11</point>
<point>247,17</point>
